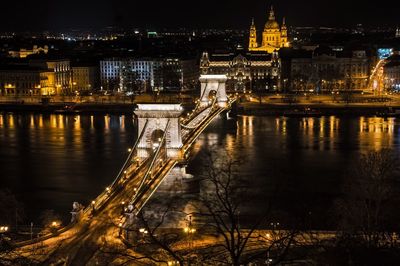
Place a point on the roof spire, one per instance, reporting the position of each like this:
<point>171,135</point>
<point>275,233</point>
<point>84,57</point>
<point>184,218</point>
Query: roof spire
<point>284,21</point>
<point>272,14</point>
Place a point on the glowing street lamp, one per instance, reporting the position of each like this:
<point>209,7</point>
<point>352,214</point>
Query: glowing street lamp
<point>274,225</point>
<point>189,230</point>
<point>54,225</point>
<point>93,205</point>
<point>143,231</point>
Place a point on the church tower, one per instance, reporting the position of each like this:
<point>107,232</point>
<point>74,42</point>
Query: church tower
<point>284,35</point>
<point>398,32</point>
<point>253,36</point>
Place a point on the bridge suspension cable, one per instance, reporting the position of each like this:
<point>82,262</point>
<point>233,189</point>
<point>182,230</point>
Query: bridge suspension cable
<point>102,197</point>
<point>153,161</point>
<point>129,159</point>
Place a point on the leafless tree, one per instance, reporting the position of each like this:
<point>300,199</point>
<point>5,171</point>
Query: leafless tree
<point>221,206</point>
<point>154,238</point>
<point>368,210</point>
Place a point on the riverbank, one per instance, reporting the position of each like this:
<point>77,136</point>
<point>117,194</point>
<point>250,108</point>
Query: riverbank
<point>244,107</point>
<point>88,104</point>
<point>68,108</point>
<point>73,108</point>
<point>256,109</point>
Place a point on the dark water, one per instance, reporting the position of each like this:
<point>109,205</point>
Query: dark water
<point>49,161</point>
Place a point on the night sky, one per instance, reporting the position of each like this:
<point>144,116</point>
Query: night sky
<point>63,14</point>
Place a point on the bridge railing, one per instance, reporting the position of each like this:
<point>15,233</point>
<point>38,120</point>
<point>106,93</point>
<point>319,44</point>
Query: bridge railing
<point>196,113</point>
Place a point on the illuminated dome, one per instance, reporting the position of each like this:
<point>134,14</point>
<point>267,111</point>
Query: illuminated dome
<point>272,25</point>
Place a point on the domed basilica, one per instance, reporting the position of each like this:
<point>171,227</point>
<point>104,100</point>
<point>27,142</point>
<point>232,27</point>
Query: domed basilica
<point>274,37</point>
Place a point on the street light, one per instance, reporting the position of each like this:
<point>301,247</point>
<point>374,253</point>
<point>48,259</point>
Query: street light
<point>123,207</point>
<point>189,230</point>
<point>144,232</point>
<point>274,225</point>
<point>93,205</point>
<point>3,229</point>
<point>55,224</point>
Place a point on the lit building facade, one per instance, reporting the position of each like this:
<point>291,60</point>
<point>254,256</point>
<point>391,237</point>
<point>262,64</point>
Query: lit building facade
<point>274,36</point>
<point>62,74</point>
<point>23,52</point>
<point>391,73</point>
<point>328,71</point>
<point>84,78</point>
<point>148,74</point>
<point>22,81</point>
<point>110,73</point>
<point>245,71</point>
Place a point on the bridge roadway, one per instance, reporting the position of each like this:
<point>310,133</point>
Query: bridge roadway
<point>80,242</point>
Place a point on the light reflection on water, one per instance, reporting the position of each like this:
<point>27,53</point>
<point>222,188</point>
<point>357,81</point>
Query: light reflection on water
<point>303,160</point>
<point>51,160</point>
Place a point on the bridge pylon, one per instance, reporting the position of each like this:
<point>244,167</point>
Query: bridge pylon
<point>160,118</point>
<point>213,86</point>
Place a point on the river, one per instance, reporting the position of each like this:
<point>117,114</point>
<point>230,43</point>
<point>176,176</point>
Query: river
<point>52,160</point>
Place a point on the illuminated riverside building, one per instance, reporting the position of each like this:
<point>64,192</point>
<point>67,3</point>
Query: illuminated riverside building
<point>36,77</point>
<point>23,81</point>
<point>274,37</point>
<point>62,72</point>
<point>246,71</point>
<point>324,70</point>
<point>391,73</point>
<point>257,69</point>
<point>84,78</point>
<point>138,75</point>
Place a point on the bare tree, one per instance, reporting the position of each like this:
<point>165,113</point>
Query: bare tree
<point>368,209</point>
<point>221,206</point>
<point>154,237</point>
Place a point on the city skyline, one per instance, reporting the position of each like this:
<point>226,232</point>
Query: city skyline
<point>60,15</point>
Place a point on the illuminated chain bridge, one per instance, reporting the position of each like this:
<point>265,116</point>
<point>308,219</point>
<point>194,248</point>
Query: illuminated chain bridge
<point>164,140</point>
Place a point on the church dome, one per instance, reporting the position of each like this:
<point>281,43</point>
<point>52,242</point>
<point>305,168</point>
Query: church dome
<point>272,25</point>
